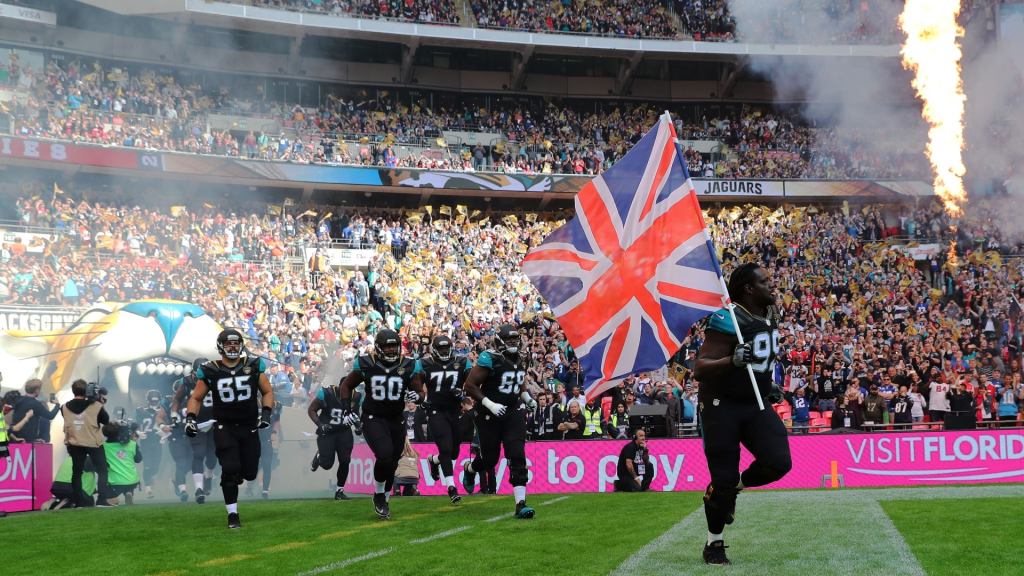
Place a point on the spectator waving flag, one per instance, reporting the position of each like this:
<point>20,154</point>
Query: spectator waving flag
<point>635,269</point>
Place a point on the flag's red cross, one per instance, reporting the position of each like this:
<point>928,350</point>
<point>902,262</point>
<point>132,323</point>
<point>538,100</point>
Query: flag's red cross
<point>631,269</point>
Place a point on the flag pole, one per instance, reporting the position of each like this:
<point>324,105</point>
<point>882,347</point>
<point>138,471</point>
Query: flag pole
<point>726,301</point>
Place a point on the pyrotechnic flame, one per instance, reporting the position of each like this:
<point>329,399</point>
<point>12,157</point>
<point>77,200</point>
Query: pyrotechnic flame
<point>933,53</point>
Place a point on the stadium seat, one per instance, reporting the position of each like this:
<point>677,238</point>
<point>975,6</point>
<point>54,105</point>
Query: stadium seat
<point>606,407</point>
<point>827,415</point>
<point>823,425</point>
<point>814,415</point>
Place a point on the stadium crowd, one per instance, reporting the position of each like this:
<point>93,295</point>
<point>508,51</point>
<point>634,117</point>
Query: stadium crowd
<point>857,307</point>
<point>86,103</point>
<point>784,21</point>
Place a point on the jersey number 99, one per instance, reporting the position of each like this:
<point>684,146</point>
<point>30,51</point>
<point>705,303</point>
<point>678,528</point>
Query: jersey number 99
<point>762,351</point>
<point>234,389</point>
<point>384,388</point>
<point>510,380</point>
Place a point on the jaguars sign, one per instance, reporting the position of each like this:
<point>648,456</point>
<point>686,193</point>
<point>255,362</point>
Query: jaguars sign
<point>107,340</point>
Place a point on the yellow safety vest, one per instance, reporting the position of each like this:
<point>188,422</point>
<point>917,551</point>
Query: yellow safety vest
<point>3,427</point>
<point>593,422</point>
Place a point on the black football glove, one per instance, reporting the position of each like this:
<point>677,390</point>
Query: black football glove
<point>326,428</point>
<point>264,418</point>
<point>191,428</point>
<point>743,355</point>
<point>776,395</point>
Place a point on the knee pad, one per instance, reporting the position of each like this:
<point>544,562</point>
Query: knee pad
<point>720,502</point>
<point>518,473</point>
<point>231,479</point>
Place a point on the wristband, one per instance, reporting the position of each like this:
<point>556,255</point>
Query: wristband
<point>266,411</point>
<point>190,416</point>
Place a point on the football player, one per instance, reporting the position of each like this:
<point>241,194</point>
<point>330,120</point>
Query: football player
<point>333,438</point>
<point>203,450</point>
<point>728,407</point>
<point>391,380</point>
<point>445,375</point>
<point>169,422</point>
<point>496,384</point>
<point>234,381</point>
<point>149,439</point>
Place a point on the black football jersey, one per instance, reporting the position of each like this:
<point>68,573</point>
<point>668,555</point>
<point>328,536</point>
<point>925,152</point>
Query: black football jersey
<point>385,386</point>
<point>763,333</point>
<point>445,381</point>
<point>505,380</point>
<point>145,418</point>
<point>235,390</point>
<point>331,412</point>
<point>206,408</point>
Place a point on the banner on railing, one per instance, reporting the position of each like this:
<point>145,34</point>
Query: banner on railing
<point>894,459</point>
<point>25,477</point>
<point>344,257</point>
<point>257,172</point>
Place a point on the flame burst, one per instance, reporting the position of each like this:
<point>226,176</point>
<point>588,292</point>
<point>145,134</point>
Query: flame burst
<point>933,54</point>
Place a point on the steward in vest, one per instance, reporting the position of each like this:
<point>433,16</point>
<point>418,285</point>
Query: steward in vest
<point>594,416</point>
<point>83,418</point>
<point>123,454</point>
<point>3,433</point>
<point>618,423</point>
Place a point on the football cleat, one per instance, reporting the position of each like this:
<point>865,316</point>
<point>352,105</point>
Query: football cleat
<point>233,521</point>
<point>380,506</point>
<point>435,470</point>
<point>714,554</point>
<point>453,494</point>
<point>266,495</point>
<point>149,493</point>
<point>468,479</point>
<point>339,494</point>
<point>524,512</point>
<point>315,463</point>
<point>200,496</point>
<point>248,491</point>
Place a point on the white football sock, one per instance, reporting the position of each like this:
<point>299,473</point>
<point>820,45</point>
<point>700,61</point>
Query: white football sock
<point>713,538</point>
<point>198,480</point>
<point>434,460</point>
<point>469,468</point>
<point>449,481</point>
<point>378,487</point>
<point>232,508</point>
<point>387,497</point>
<point>182,488</point>
<point>520,493</point>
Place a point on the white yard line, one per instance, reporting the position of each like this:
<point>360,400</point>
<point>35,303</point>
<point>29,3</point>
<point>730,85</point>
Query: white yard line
<point>553,501</point>
<point>441,535</point>
<point>343,563</point>
<point>755,547</point>
<point>496,518</point>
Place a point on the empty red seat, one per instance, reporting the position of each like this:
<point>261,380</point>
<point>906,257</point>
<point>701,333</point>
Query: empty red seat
<point>814,414</point>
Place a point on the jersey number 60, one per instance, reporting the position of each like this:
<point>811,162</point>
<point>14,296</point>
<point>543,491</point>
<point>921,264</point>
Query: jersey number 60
<point>384,388</point>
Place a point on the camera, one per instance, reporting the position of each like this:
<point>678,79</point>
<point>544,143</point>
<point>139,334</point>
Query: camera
<point>95,392</point>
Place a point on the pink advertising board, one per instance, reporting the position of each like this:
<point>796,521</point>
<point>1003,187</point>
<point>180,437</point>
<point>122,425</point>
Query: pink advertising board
<point>903,459</point>
<point>25,477</point>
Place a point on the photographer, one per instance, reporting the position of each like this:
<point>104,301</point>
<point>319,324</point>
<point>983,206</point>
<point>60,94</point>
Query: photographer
<point>83,418</point>
<point>123,454</point>
<point>635,472</point>
<point>29,411</point>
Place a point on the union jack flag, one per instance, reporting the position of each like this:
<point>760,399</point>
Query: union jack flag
<point>635,269</point>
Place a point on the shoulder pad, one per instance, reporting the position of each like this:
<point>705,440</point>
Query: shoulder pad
<point>720,321</point>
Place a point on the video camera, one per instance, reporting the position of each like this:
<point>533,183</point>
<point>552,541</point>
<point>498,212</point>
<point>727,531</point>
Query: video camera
<point>95,392</point>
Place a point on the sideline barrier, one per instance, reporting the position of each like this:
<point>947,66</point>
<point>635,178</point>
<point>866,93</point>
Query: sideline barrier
<point>861,460</point>
<point>25,477</point>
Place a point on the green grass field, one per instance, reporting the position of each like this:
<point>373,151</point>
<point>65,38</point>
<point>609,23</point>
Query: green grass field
<point>891,532</point>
